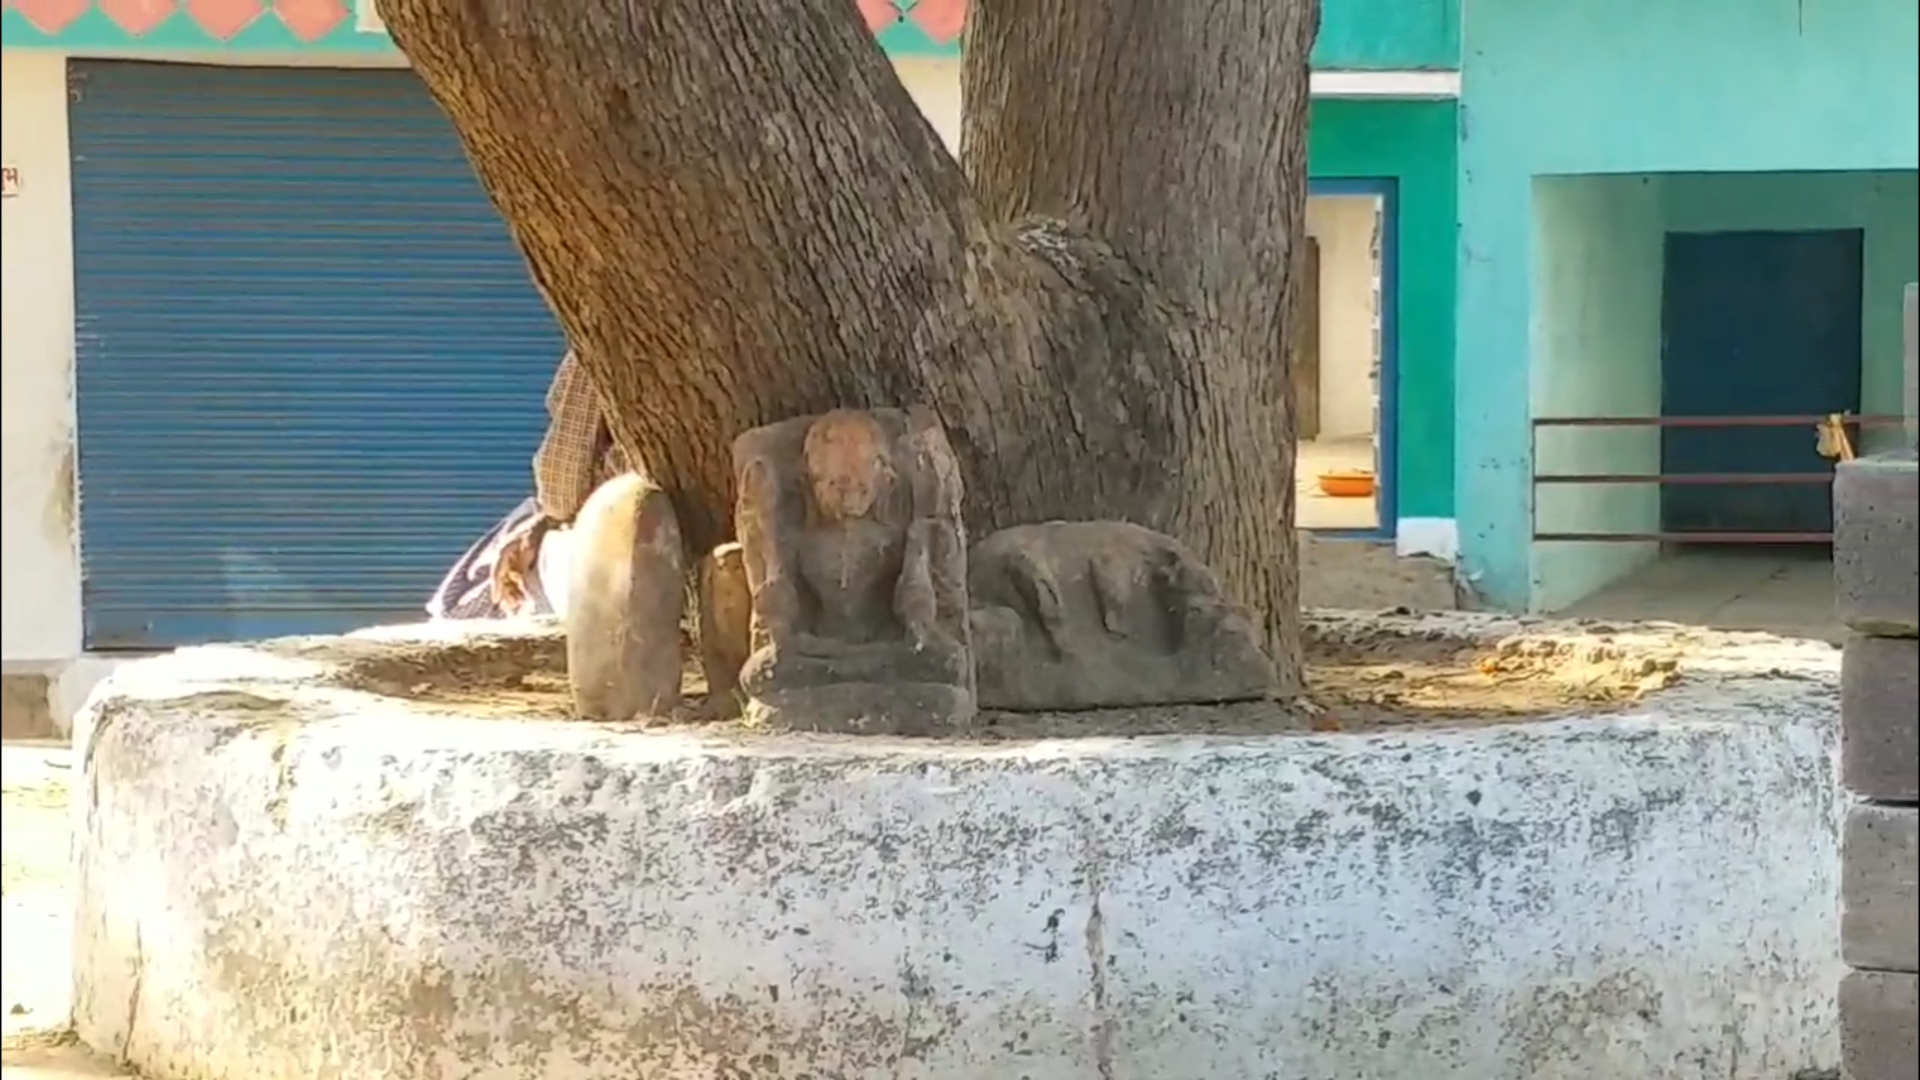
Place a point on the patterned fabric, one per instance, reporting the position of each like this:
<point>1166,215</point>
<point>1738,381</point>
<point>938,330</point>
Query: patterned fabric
<point>467,590</point>
<point>576,456</point>
<point>578,453</point>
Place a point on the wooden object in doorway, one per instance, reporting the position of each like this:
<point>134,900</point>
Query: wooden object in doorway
<point>1303,366</point>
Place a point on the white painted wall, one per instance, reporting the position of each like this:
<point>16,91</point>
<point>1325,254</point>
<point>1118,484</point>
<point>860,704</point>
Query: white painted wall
<point>1343,224</point>
<point>40,619</point>
<point>935,86</point>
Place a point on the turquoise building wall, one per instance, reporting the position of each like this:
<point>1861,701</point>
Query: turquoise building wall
<point>1388,35</point>
<point>1567,87</point>
<point>1597,352</point>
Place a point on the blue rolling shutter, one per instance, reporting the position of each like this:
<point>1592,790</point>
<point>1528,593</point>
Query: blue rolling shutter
<point>311,364</point>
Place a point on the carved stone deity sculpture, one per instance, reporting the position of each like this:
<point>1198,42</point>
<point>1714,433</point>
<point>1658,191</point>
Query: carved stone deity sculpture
<point>849,526</point>
<point>1103,614</point>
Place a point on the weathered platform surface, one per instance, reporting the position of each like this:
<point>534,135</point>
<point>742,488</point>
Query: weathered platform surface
<point>284,874</point>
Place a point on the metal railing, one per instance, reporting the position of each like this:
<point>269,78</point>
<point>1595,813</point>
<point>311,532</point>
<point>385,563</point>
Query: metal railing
<point>1664,479</point>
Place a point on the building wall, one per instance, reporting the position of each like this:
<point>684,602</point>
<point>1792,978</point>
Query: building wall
<point>1344,224</point>
<point>1597,253</point>
<point>1585,86</point>
<point>1385,35</point>
<point>1596,340</point>
<point>934,83</point>
<point>41,678</point>
<point>41,617</point>
<point>1362,35</point>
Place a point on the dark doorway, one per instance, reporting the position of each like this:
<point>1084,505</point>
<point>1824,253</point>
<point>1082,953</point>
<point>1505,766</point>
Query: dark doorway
<point>1756,324</point>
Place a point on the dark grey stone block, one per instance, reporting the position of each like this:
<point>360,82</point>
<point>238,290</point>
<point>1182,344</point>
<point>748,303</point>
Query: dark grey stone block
<point>1880,718</point>
<point>1879,1026</point>
<point>1880,888</point>
<point>1876,544</point>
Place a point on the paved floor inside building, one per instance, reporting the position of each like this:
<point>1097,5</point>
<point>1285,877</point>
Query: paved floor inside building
<point>1785,591</point>
<point>1314,509</point>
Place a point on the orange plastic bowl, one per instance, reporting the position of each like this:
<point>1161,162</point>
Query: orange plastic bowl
<point>1346,484</point>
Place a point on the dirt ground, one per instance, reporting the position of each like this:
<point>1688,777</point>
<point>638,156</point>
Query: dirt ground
<point>1363,674</point>
<point>1366,575</point>
<point>35,879</point>
<point>38,898</point>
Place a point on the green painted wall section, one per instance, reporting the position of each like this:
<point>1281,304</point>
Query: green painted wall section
<point>1597,353</point>
<point>1413,143</point>
<point>1354,34</point>
<point>1555,87</point>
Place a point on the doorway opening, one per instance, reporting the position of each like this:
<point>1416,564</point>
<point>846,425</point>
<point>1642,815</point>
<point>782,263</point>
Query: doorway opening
<point>1342,366</point>
<point>1691,335</point>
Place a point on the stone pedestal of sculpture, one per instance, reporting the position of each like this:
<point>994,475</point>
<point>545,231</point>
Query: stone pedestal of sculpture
<point>626,589</point>
<point>855,556</point>
<point>1104,614</point>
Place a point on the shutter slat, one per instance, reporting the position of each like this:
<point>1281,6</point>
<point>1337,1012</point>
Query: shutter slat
<point>310,362</point>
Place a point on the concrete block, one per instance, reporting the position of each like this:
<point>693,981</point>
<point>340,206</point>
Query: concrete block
<point>1880,718</point>
<point>1879,1020</point>
<point>1880,888</point>
<point>1876,544</point>
<point>26,707</point>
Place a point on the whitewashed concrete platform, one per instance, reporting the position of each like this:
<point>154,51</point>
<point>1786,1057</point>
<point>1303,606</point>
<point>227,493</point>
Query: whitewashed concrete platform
<point>281,878</point>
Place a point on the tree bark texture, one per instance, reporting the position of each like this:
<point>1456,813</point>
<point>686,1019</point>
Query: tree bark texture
<point>739,215</point>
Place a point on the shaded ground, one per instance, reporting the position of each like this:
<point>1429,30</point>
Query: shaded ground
<point>1365,673</point>
<point>1779,590</point>
<point>1366,575</point>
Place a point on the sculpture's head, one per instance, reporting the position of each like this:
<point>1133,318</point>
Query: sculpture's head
<point>848,464</point>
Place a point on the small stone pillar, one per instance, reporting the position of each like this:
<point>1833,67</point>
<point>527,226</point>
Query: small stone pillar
<point>1876,558</point>
<point>625,592</point>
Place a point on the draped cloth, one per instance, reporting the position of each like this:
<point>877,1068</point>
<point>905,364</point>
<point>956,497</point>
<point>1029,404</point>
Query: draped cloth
<point>467,590</point>
<point>576,456</point>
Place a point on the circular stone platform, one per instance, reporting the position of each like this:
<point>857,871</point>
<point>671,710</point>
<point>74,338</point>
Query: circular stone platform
<point>285,874</point>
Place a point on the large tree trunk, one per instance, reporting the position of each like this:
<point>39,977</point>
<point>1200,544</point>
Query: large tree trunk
<point>739,215</point>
